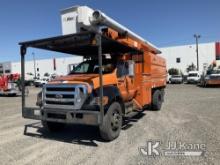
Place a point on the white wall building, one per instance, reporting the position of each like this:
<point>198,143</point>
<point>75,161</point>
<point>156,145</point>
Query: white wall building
<point>181,57</point>
<point>60,66</point>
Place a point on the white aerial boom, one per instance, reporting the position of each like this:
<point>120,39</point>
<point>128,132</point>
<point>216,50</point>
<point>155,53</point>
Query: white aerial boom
<point>78,18</point>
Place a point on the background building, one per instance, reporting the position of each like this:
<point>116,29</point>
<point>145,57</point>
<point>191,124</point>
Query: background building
<point>60,66</point>
<point>181,57</point>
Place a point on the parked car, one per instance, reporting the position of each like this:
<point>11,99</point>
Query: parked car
<point>176,79</point>
<point>29,79</point>
<point>41,82</point>
<point>212,77</point>
<point>193,77</point>
<point>168,78</point>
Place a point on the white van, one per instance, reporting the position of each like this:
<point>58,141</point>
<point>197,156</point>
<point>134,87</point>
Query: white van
<point>193,77</point>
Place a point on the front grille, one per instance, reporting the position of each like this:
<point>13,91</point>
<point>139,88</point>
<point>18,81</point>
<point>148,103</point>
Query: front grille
<point>64,96</point>
<point>60,103</point>
<point>61,89</point>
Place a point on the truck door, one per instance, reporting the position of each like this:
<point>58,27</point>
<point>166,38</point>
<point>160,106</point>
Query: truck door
<point>131,89</point>
<point>125,82</point>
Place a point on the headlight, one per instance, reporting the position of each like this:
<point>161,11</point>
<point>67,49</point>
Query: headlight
<point>96,100</point>
<point>80,96</point>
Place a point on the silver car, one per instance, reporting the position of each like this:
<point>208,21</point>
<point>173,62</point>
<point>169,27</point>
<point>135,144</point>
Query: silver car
<point>176,79</point>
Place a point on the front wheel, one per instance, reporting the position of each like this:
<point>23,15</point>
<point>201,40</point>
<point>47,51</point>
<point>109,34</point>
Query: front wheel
<point>112,122</point>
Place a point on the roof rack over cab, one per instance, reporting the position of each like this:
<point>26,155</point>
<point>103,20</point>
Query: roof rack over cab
<point>82,44</point>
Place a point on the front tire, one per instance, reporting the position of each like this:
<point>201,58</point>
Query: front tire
<point>52,126</point>
<point>112,122</point>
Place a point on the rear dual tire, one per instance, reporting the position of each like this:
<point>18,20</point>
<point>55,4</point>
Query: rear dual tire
<point>157,99</point>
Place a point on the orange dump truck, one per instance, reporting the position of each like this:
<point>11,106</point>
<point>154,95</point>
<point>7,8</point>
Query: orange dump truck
<point>121,74</point>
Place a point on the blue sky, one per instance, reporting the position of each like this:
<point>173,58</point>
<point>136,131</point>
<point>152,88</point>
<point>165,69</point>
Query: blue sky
<point>162,22</point>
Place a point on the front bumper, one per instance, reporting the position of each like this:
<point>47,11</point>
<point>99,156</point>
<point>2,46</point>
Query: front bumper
<point>192,81</point>
<point>84,117</point>
<point>176,81</point>
<point>10,92</point>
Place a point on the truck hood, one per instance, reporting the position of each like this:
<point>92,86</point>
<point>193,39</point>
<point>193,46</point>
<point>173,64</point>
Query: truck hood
<point>87,79</point>
<point>76,77</point>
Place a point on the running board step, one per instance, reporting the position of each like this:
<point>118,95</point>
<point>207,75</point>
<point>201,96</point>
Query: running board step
<point>131,114</point>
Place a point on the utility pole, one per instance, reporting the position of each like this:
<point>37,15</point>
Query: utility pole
<point>34,64</point>
<point>197,36</point>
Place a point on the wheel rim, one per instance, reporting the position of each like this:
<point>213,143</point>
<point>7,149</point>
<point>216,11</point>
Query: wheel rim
<point>115,120</point>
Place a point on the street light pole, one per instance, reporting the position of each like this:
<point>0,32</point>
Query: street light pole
<point>34,64</point>
<point>197,36</point>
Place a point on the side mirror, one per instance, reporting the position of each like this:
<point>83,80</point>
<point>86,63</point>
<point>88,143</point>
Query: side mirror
<point>131,68</point>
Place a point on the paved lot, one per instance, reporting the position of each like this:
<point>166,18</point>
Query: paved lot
<point>190,115</point>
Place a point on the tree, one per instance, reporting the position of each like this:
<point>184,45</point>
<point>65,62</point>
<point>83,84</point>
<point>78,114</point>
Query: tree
<point>191,67</point>
<point>173,71</point>
<point>46,74</point>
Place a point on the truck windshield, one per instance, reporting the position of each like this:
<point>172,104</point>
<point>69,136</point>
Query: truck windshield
<point>92,67</point>
<point>215,72</point>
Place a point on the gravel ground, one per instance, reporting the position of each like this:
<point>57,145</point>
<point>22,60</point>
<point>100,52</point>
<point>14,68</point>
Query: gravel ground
<point>189,114</point>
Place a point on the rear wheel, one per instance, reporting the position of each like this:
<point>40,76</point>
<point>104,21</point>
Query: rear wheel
<point>112,122</point>
<point>52,126</point>
<point>157,100</point>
